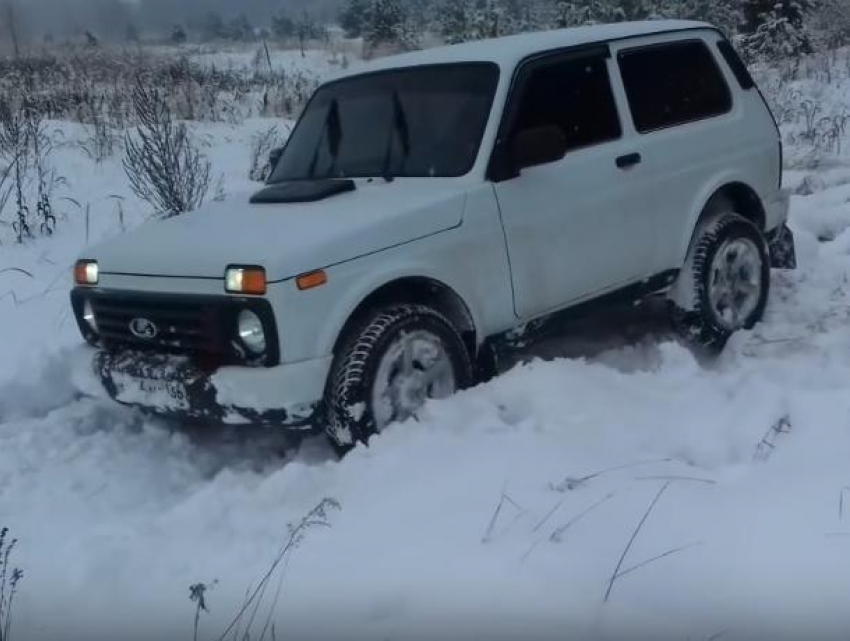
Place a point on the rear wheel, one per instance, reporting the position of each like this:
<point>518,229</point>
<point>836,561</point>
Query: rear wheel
<point>725,283</point>
<point>388,367</point>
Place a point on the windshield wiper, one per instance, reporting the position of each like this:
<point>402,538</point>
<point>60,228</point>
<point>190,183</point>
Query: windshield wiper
<point>401,128</point>
<point>333,134</point>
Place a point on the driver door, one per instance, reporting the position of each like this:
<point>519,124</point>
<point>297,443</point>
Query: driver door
<point>572,226</point>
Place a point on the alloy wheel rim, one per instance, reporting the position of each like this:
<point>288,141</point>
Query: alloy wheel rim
<point>415,368</point>
<point>735,282</point>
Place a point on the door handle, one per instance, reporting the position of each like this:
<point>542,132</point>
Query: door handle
<point>628,161</point>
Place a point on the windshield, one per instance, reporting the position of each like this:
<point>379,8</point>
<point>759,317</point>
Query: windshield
<point>416,122</point>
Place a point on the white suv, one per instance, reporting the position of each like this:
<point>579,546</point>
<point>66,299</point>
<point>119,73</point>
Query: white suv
<point>431,206</point>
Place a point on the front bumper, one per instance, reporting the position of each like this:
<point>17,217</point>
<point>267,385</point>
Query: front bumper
<point>172,386</point>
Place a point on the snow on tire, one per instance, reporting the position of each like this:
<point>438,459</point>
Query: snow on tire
<point>388,367</point>
<point>725,282</point>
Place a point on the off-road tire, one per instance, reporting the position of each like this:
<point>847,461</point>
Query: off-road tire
<point>348,412</point>
<point>697,322</point>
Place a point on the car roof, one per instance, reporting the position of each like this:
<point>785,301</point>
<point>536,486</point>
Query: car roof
<point>509,51</point>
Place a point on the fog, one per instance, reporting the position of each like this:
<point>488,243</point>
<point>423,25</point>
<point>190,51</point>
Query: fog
<point>33,20</point>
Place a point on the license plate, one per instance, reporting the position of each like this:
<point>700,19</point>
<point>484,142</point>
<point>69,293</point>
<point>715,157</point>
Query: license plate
<point>151,392</point>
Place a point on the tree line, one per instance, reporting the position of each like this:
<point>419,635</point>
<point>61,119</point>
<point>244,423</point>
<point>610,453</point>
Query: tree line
<point>762,27</point>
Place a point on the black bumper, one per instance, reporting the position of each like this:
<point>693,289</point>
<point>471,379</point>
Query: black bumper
<point>173,387</point>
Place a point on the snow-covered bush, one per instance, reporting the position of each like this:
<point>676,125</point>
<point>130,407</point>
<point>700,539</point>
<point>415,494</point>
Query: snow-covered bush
<point>776,38</point>
<point>95,86</point>
<point>163,165</point>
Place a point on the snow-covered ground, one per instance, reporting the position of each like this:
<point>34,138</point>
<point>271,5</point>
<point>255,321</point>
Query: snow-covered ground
<point>501,513</point>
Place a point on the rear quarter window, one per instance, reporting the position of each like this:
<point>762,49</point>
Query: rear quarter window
<point>673,84</point>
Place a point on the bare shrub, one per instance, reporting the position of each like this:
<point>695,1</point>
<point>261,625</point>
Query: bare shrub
<point>261,146</point>
<point>9,579</point>
<point>102,140</point>
<point>245,625</point>
<point>46,177</point>
<point>15,147</point>
<point>163,165</point>
<point>26,175</point>
<point>5,191</point>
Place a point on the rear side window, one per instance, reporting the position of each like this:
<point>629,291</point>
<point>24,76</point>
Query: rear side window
<point>672,84</point>
<point>574,95</point>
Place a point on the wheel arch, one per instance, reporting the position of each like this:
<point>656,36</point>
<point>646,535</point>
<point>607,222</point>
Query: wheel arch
<point>421,290</point>
<point>732,195</point>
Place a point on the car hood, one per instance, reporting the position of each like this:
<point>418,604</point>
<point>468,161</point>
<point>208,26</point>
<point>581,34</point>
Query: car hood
<point>286,239</point>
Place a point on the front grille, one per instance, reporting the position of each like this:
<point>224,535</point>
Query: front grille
<point>181,328</point>
<point>201,327</point>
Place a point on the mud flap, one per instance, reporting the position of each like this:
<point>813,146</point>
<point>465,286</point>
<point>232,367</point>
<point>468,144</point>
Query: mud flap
<point>783,253</point>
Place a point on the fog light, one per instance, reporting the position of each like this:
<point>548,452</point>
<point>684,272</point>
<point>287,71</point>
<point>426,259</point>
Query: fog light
<point>88,316</point>
<point>251,333</point>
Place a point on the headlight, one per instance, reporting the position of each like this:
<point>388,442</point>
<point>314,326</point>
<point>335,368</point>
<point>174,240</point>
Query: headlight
<point>245,280</point>
<point>88,316</point>
<point>86,272</point>
<point>251,333</point>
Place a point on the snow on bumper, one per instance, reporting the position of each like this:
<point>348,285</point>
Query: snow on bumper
<point>287,395</point>
<point>783,252</point>
<point>777,208</point>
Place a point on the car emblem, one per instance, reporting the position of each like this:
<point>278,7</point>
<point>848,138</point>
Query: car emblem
<point>143,328</point>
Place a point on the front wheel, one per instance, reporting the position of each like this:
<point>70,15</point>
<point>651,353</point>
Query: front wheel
<point>725,283</point>
<point>388,367</point>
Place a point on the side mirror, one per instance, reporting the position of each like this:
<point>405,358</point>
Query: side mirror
<point>274,157</point>
<point>538,146</point>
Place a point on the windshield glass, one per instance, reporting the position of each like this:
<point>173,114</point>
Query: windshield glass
<point>416,122</point>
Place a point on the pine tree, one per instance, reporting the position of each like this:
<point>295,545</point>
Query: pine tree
<point>132,33</point>
<point>759,12</point>
<point>725,14</point>
<point>560,14</point>
<point>240,29</point>
<point>354,17</point>
<point>571,13</point>
<point>829,22</point>
<point>178,35</point>
<point>213,27</point>
<point>519,17</point>
<point>283,26</point>
<point>385,20</point>
<point>455,21</point>
<point>418,13</point>
<point>487,20</point>
<point>776,28</point>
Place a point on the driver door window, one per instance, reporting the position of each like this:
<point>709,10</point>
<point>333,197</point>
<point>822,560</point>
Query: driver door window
<point>576,97</point>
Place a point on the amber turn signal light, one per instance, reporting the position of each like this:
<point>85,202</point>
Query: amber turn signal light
<point>86,272</point>
<point>311,280</point>
<point>245,280</point>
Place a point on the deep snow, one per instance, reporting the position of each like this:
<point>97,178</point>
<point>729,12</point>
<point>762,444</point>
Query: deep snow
<point>118,515</point>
